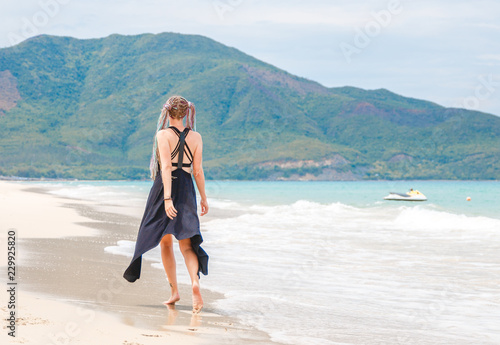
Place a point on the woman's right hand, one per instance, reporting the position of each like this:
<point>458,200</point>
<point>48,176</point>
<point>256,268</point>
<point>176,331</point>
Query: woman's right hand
<point>204,206</point>
<point>170,209</point>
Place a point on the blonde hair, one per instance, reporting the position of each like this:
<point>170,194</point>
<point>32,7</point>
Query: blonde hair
<point>176,107</point>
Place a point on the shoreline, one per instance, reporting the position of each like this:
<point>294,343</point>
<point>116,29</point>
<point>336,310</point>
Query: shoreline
<point>70,269</point>
<point>49,179</point>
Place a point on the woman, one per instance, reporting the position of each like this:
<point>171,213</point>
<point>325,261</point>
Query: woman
<point>171,205</point>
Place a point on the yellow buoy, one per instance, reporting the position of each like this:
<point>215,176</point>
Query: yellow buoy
<point>468,198</point>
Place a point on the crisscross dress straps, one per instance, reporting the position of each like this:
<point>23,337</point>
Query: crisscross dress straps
<point>179,148</point>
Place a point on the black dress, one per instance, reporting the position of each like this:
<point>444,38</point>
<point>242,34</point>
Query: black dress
<point>155,222</point>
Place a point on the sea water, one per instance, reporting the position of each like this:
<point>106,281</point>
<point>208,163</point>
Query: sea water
<point>334,263</point>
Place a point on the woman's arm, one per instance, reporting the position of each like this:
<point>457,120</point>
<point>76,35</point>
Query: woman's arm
<point>166,172</point>
<point>199,176</point>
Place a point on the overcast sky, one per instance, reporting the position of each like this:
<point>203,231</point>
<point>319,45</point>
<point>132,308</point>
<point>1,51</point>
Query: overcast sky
<point>445,51</point>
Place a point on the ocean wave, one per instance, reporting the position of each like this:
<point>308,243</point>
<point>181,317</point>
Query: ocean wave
<point>273,263</point>
<point>101,192</point>
<point>225,204</point>
<point>424,219</point>
<point>126,248</point>
<point>123,248</point>
<point>309,214</point>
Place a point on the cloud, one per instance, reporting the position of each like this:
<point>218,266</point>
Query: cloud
<point>431,49</point>
<point>494,57</point>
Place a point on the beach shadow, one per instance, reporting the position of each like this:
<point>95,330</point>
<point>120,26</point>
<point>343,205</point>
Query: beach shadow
<point>156,306</point>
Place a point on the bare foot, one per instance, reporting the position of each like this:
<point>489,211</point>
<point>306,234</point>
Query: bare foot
<point>197,300</point>
<point>174,298</point>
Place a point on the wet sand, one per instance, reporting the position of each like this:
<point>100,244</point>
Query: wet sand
<point>65,277</point>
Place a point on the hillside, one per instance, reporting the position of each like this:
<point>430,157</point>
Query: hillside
<point>87,109</point>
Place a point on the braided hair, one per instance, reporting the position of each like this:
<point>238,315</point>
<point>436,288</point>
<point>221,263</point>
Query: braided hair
<point>176,107</point>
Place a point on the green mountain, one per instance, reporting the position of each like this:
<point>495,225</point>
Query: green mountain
<point>87,109</point>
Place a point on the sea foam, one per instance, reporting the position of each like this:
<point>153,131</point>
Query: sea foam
<point>332,271</point>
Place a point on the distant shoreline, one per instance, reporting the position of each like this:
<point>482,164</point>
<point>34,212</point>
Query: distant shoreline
<point>47,179</point>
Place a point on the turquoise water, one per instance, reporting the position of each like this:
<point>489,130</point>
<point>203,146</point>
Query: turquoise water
<point>443,195</point>
<point>446,195</point>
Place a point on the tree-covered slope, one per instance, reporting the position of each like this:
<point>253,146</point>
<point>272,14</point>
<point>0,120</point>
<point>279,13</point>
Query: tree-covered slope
<point>88,108</point>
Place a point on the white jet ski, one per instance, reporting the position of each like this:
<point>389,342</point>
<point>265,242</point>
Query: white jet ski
<point>412,195</point>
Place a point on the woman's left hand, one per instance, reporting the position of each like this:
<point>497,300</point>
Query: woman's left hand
<point>170,209</point>
<point>204,207</point>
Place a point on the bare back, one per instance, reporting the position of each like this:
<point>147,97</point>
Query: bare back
<point>192,148</point>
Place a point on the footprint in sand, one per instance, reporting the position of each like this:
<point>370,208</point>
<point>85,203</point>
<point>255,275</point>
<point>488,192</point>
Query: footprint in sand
<point>24,321</point>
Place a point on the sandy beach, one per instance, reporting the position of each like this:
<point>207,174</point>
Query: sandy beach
<point>70,291</point>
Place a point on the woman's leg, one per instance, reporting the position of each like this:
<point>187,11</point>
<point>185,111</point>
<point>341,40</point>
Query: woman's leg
<point>192,265</point>
<point>168,259</point>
